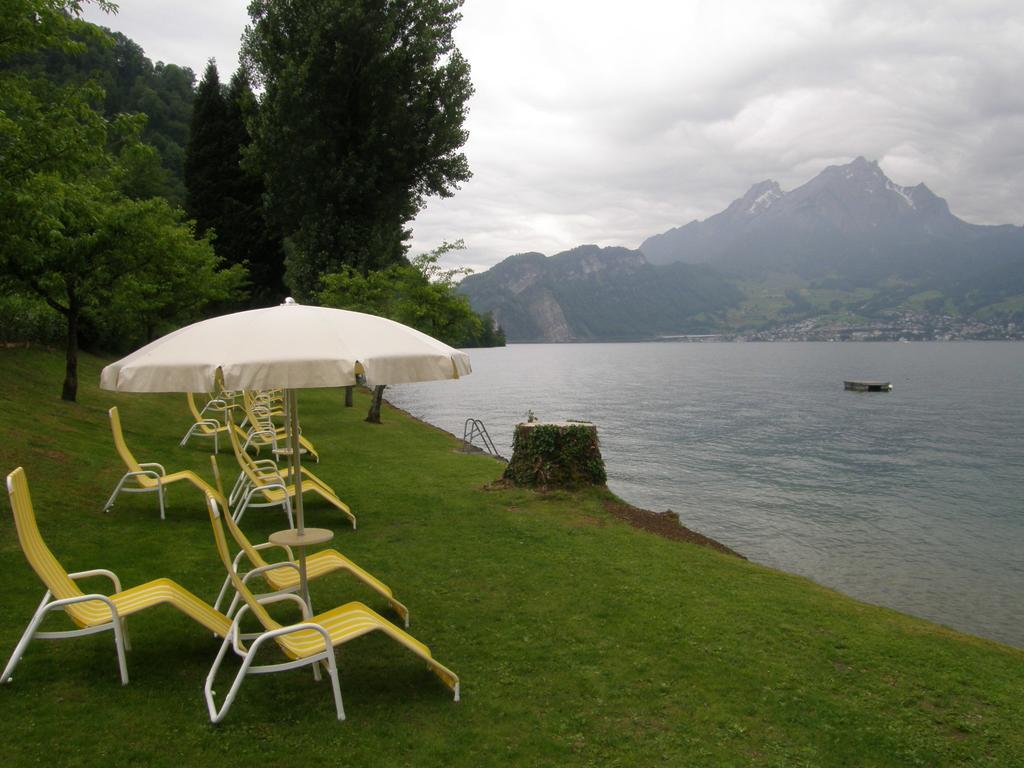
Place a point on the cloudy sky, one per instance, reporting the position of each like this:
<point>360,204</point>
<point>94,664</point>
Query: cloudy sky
<point>598,121</point>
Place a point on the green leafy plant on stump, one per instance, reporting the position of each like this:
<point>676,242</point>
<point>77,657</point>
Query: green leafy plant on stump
<point>556,455</point>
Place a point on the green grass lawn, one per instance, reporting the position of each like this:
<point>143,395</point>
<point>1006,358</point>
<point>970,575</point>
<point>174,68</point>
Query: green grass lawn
<point>579,640</point>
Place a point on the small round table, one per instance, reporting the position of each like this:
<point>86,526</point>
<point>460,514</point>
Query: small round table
<point>308,538</point>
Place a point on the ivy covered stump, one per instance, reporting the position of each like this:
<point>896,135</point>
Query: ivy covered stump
<point>558,454</point>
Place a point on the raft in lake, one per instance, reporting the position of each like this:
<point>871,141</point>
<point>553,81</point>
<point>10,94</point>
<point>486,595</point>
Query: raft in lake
<point>855,385</point>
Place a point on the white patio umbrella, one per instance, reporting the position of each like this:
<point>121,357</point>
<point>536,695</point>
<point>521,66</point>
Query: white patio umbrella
<point>290,346</point>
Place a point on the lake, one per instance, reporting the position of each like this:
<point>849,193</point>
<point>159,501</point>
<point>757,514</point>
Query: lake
<point>912,499</point>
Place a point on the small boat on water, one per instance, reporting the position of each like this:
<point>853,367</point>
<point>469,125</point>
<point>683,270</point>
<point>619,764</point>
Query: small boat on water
<point>857,385</point>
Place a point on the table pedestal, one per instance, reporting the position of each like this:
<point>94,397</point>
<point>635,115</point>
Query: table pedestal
<point>308,538</point>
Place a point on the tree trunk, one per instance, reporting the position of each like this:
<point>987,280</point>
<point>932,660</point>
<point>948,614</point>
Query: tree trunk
<point>378,395</point>
<point>348,396</point>
<point>70,391</point>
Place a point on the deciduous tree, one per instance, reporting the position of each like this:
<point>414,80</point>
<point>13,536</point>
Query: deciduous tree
<point>68,232</point>
<point>360,120</point>
<point>419,293</point>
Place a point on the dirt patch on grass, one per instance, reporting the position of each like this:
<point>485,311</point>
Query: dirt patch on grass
<point>665,524</point>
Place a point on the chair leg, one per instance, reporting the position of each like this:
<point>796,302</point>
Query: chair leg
<point>233,606</point>
<point>26,638</point>
<point>124,634</point>
<point>216,715</point>
<point>188,434</point>
<point>240,509</point>
<point>332,672</point>
<point>240,488</point>
<point>288,511</point>
<point>223,592</point>
<point>160,493</point>
<point>117,490</point>
<point>119,643</point>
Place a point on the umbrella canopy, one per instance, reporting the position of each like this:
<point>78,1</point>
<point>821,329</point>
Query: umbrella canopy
<point>292,347</point>
<point>289,346</point>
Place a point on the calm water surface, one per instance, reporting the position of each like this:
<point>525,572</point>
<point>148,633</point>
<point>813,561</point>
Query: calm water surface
<point>912,499</point>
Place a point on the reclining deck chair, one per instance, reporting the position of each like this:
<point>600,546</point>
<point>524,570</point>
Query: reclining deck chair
<point>263,431</point>
<point>309,642</point>
<point>266,466</point>
<point>149,476</point>
<point>93,612</point>
<point>203,425</point>
<point>283,576</point>
<point>267,487</point>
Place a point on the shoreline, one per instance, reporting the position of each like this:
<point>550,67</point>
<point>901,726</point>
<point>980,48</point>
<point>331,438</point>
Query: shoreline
<point>666,524</point>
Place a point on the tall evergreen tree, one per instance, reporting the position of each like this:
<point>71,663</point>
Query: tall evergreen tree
<point>223,197</point>
<point>246,235</point>
<point>208,156</point>
<point>360,120</point>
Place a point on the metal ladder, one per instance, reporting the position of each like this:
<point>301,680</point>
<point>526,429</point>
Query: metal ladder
<point>473,429</point>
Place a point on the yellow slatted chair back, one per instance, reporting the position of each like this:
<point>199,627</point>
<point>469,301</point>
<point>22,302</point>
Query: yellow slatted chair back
<point>193,407</point>
<point>122,448</point>
<point>244,460</point>
<point>236,533</point>
<point>212,505</point>
<point>39,556</point>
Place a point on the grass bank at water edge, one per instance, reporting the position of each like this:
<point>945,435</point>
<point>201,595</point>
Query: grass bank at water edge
<point>579,639</point>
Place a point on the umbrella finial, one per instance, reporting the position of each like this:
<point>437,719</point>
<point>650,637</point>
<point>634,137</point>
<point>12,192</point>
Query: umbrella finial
<point>290,302</point>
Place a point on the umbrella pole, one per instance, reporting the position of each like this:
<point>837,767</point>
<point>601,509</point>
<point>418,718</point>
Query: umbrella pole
<point>295,455</point>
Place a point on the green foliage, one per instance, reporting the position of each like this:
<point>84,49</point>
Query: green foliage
<point>208,156</point>
<point>223,197</point>
<point>119,267</point>
<point>31,25</point>
<point>24,317</point>
<point>556,456</point>
<point>360,120</point>
<point>130,83</point>
<point>419,293</point>
<point>170,282</point>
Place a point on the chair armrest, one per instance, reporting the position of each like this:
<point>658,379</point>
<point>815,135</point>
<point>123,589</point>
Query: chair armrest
<point>264,568</point>
<point>86,598</point>
<point>147,472</point>
<point>98,572</point>
<point>273,487</point>
<point>153,464</point>
<point>287,596</point>
<point>215,404</point>
<point>271,545</point>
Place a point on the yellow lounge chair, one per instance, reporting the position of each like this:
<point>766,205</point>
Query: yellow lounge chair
<point>267,466</point>
<point>283,576</point>
<point>260,409</point>
<point>204,426</point>
<point>266,487</point>
<point>93,612</point>
<point>149,476</point>
<point>309,642</point>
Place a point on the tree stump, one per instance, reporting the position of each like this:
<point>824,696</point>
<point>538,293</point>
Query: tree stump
<point>561,454</point>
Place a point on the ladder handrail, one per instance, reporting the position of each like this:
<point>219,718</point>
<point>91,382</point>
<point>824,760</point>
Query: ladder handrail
<point>474,428</point>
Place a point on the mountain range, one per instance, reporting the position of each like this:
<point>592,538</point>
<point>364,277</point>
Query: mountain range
<point>849,243</point>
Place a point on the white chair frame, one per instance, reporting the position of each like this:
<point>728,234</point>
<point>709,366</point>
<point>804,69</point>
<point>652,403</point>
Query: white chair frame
<point>195,431</point>
<point>156,474</point>
<point>246,500</point>
<point>233,641</point>
<point>290,563</point>
<point>48,605</point>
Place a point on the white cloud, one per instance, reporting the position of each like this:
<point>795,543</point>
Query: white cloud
<point>598,121</point>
